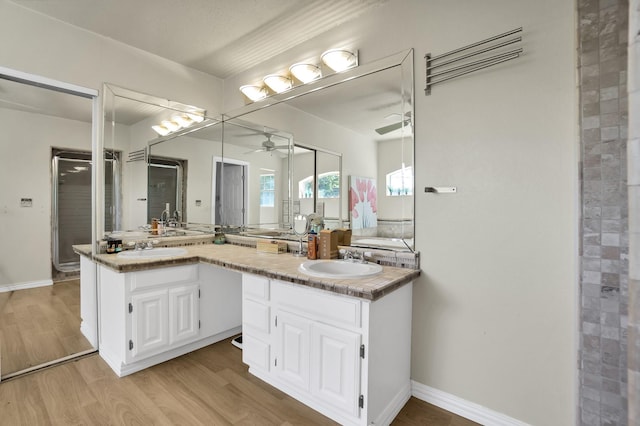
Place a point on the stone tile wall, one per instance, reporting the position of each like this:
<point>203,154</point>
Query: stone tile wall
<point>602,53</point>
<point>633,161</point>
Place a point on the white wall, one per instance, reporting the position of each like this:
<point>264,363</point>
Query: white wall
<point>25,172</point>
<point>494,318</point>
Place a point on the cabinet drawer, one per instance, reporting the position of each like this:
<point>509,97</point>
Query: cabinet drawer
<point>255,352</point>
<point>255,287</point>
<point>156,277</point>
<point>317,304</point>
<point>256,316</point>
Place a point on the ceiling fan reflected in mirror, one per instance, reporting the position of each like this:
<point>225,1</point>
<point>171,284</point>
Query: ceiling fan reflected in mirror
<point>269,146</point>
<point>395,126</point>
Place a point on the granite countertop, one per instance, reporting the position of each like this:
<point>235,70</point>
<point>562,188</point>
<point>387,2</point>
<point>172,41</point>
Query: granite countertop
<point>283,267</point>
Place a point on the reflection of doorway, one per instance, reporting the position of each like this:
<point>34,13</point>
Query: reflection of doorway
<point>230,179</point>
<point>166,185</point>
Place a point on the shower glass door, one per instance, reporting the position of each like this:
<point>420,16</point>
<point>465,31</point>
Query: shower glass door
<point>72,208</point>
<point>72,204</point>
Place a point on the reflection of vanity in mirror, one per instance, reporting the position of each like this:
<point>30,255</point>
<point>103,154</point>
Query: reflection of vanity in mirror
<point>340,148</point>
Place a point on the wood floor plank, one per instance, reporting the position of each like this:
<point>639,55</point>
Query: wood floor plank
<point>21,399</point>
<point>211,390</point>
<point>125,404</point>
<point>40,325</point>
<point>417,412</point>
<point>159,380</point>
<point>185,391</point>
<point>63,393</point>
<point>269,401</point>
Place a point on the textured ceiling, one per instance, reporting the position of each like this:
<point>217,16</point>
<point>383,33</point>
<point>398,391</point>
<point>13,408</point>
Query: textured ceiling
<point>219,37</point>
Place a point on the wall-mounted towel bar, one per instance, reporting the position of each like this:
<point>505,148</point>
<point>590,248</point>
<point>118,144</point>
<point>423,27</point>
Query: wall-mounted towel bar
<point>440,189</point>
<point>440,70</point>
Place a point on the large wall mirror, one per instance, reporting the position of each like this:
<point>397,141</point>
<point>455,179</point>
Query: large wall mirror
<point>155,171</point>
<point>341,147</point>
<point>207,175</point>
<point>353,154</point>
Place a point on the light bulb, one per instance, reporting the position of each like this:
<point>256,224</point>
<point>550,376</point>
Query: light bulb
<point>339,59</point>
<point>306,73</point>
<point>253,92</point>
<point>161,130</point>
<point>278,83</point>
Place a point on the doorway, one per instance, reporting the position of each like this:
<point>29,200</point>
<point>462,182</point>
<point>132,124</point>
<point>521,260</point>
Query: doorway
<point>39,315</point>
<point>230,192</point>
<point>166,185</point>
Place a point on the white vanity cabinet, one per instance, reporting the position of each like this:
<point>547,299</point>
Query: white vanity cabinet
<point>163,318</point>
<point>150,316</point>
<point>346,357</point>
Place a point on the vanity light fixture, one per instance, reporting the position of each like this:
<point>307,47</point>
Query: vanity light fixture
<point>254,92</point>
<point>178,121</point>
<point>306,73</point>
<point>171,125</point>
<point>339,59</point>
<point>196,117</point>
<point>183,120</point>
<point>278,83</point>
<point>161,130</point>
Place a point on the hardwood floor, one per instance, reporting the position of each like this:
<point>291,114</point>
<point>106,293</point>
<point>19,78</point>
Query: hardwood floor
<point>39,325</point>
<point>210,386</point>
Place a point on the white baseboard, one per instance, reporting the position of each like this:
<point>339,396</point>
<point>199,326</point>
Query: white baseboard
<point>122,369</point>
<point>461,407</point>
<point>25,285</point>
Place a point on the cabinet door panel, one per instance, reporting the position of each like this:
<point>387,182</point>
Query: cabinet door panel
<point>293,349</point>
<point>149,322</point>
<point>335,367</point>
<point>184,313</point>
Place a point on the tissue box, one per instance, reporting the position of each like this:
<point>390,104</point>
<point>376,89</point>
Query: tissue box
<point>344,236</point>
<point>271,246</point>
<point>328,246</point>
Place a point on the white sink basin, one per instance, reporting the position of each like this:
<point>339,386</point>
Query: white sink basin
<point>152,253</point>
<point>339,269</point>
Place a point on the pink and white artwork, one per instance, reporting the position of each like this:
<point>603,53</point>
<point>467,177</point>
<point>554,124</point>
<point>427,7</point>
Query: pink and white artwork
<point>363,209</point>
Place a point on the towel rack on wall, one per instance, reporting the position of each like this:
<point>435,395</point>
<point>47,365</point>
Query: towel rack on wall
<point>440,70</point>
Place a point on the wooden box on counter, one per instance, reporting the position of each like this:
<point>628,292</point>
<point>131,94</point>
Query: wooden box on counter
<point>328,246</point>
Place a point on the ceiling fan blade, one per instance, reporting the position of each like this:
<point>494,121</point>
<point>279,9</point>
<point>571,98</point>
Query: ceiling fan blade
<point>391,127</point>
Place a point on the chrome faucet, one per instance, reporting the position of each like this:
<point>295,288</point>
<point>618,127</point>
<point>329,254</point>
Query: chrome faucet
<point>141,245</point>
<point>353,256</point>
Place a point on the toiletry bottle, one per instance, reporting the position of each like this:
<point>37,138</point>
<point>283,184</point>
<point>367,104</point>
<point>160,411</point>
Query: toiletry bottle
<point>312,246</point>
